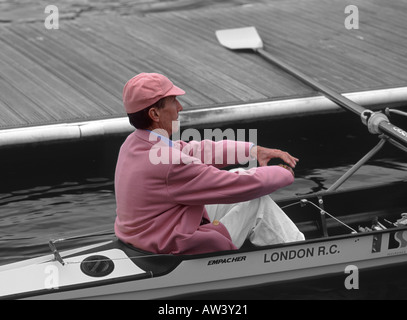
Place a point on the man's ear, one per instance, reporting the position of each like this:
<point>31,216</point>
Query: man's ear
<point>154,114</point>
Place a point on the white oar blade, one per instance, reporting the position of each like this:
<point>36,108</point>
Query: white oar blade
<point>240,38</point>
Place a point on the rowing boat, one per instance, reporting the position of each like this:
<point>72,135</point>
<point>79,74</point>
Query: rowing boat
<point>364,228</point>
<point>355,227</point>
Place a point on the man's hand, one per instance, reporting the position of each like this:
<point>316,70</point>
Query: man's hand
<point>287,168</point>
<point>264,155</point>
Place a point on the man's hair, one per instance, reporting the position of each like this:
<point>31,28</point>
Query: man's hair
<point>141,119</point>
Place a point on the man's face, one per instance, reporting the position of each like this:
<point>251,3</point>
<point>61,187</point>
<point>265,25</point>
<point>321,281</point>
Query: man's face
<point>169,114</point>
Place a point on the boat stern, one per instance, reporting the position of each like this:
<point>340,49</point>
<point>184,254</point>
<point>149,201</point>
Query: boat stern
<point>47,277</point>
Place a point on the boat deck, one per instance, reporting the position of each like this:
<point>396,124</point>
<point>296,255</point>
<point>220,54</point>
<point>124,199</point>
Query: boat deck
<point>77,73</point>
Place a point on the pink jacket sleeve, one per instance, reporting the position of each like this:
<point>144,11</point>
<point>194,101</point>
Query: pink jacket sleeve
<point>200,184</point>
<point>218,154</point>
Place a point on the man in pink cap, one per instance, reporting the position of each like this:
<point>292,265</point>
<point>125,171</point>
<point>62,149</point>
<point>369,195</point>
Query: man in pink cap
<point>188,205</point>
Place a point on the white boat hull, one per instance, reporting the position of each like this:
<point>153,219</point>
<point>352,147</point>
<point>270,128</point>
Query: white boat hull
<point>45,278</point>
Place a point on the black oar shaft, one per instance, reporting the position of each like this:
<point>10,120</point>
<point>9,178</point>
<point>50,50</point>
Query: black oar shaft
<point>384,126</point>
<point>334,96</point>
<point>393,131</point>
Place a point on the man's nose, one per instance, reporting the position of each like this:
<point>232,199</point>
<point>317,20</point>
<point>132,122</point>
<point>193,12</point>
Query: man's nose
<point>180,108</point>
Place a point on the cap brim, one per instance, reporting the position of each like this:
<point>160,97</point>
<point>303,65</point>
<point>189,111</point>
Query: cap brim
<point>175,91</point>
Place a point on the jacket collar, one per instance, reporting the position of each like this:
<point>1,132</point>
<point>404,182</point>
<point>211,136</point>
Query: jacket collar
<point>152,137</point>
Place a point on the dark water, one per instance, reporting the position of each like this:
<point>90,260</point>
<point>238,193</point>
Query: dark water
<point>57,191</point>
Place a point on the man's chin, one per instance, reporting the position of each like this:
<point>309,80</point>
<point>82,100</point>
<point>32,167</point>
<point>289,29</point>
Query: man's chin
<point>175,126</point>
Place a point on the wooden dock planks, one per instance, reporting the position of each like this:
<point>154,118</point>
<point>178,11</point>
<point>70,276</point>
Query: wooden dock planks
<point>77,73</point>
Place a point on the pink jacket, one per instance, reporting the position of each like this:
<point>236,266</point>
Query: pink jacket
<point>160,203</point>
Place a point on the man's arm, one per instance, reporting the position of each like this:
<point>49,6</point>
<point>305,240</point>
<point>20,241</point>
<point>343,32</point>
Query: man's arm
<point>227,152</point>
<point>198,184</point>
<point>218,154</point>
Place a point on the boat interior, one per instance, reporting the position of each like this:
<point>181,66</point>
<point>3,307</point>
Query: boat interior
<point>366,209</point>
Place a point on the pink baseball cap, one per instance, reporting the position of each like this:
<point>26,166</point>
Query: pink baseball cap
<point>146,89</point>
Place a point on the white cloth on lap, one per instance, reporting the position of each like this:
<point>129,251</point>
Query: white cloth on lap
<point>261,220</point>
